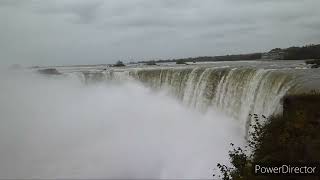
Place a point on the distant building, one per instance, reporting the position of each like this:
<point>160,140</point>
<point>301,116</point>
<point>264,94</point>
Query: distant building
<point>275,54</point>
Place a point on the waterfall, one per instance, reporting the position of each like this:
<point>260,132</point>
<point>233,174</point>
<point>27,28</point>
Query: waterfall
<point>255,91</point>
<point>235,91</point>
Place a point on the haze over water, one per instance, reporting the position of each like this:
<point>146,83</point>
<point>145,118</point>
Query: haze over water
<point>61,128</point>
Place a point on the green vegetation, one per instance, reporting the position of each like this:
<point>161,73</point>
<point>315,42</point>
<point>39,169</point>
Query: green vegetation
<point>291,137</point>
<point>293,53</point>
<point>253,56</point>
<point>151,63</point>
<point>180,61</point>
<point>240,158</point>
<point>237,57</point>
<point>119,64</point>
<point>305,52</point>
<point>49,71</point>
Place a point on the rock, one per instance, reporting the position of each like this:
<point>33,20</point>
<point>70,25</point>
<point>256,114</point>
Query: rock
<point>315,66</point>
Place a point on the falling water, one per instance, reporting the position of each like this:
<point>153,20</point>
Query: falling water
<point>235,91</point>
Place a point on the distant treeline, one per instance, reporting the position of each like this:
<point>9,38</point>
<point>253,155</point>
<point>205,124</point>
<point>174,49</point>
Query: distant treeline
<point>305,52</point>
<point>293,53</point>
<point>238,57</point>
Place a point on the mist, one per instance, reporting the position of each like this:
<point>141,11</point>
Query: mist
<point>62,128</point>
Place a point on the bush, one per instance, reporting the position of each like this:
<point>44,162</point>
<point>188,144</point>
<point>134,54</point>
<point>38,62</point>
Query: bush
<point>180,61</point>
<point>240,158</point>
<point>119,64</point>
<point>291,137</point>
<point>151,63</point>
<point>305,52</point>
<point>49,71</point>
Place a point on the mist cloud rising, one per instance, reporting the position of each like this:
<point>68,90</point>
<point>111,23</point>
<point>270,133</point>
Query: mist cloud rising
<point>59,128</point>
<point>37,32</point>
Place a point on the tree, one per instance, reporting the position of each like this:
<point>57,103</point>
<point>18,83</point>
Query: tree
<point>180,61</point>
<point>119,64</point>
<point>151,63</point>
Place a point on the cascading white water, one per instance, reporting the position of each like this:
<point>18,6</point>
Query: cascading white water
<point>190,88</point>
<point>243,92</point>
<point>235,91</point>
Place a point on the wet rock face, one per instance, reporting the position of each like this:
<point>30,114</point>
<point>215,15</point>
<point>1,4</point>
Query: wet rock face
<point>49,71</point>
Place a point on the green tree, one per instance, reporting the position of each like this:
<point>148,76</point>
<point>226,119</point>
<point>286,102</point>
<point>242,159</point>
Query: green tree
<point>119,64</point>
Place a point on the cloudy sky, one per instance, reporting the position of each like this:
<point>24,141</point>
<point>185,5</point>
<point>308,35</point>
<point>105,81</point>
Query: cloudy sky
<point>64,32</point>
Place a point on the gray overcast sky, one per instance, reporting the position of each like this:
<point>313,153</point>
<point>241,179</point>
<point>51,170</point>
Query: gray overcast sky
<point>61,32</point>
